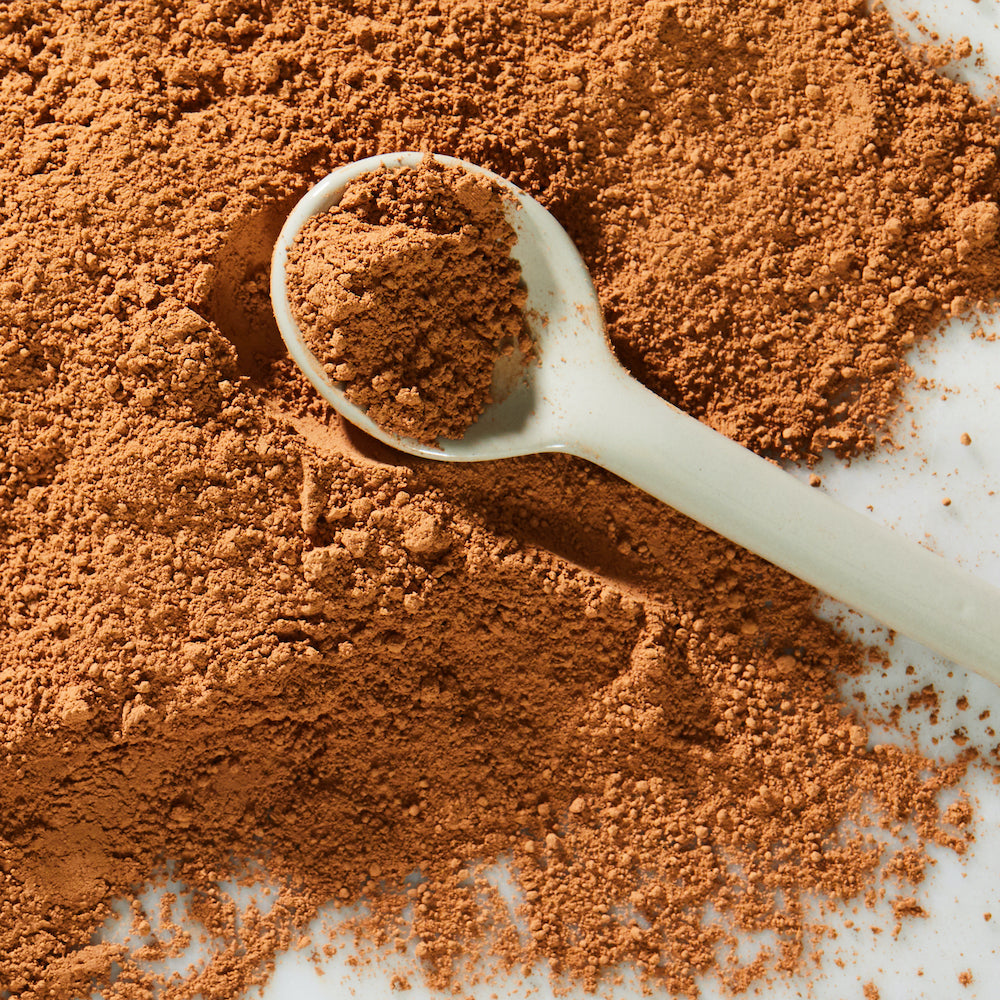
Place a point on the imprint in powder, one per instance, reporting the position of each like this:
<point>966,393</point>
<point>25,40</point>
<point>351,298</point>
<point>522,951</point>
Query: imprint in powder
<point>408,295</point>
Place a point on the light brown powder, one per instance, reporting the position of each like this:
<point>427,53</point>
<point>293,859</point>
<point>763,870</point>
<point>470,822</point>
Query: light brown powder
<point>236,633</point>
<point>787,215</point>
<point>407,293</point>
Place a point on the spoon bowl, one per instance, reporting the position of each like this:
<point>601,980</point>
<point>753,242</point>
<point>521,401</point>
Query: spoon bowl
<point>532,413</point>
<point>575,397</point>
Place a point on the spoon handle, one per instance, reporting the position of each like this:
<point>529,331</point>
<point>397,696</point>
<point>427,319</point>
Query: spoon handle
<point>635,434</point>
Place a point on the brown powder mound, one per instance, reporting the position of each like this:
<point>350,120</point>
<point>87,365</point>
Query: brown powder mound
<point>234,632</point>
<point>796,204</point>
<point>407,293</point>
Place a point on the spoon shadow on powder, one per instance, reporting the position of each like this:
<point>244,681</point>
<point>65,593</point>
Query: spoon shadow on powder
<point>237,298</point>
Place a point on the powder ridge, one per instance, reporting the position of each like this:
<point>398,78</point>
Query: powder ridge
<point>407,293</point>
<point>235,632</point>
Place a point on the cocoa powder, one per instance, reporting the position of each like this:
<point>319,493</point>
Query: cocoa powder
<point>408,295</point>
<point>237,634</point>
<point>788,215</point>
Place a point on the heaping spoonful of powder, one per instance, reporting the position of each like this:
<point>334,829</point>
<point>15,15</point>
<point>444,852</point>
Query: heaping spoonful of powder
<point>577,398</point>
<point>407,294</point>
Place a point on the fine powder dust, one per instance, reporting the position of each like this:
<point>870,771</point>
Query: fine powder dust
<point>237,635</point>
<point>408,295</point>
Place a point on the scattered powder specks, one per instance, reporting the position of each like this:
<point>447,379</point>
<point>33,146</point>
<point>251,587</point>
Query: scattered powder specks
<point>235,634</point>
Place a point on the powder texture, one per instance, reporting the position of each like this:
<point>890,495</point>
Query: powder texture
<point>235,633</point>
<point>799,205</point>
<point>407,293</point>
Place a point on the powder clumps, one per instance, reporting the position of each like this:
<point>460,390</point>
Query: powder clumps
<point>235,633</point>
<point>905,907</point>
<point>406,291</point>
<point>815,218</point>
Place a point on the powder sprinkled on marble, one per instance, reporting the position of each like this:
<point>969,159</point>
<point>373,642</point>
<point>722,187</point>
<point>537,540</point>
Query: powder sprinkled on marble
<point>238,635</point>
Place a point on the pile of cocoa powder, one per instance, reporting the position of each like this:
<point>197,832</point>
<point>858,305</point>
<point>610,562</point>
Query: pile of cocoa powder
<point>235,633</point>
<point>407,294</point>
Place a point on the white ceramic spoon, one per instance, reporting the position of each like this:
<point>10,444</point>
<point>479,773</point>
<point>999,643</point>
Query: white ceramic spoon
<point>578,399</point>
